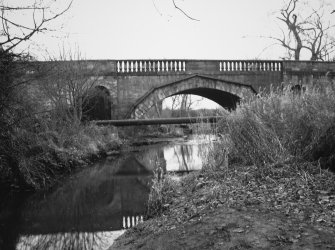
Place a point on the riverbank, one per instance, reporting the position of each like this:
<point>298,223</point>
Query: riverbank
<point>37,161</point>
<point>289,206</point>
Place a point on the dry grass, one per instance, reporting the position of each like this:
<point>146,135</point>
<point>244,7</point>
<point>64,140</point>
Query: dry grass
<point>280,125</point>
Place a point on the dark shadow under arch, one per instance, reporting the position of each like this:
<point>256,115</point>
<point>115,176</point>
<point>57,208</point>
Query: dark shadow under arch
<point>224,99</point>
<point>98,104</point>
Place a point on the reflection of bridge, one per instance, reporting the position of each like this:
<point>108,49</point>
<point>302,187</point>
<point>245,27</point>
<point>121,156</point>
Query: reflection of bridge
<point>134,86</point>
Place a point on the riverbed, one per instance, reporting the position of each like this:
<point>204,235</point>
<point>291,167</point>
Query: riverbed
<point>96,205</point>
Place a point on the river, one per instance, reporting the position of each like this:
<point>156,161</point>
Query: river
<point>96,205</point>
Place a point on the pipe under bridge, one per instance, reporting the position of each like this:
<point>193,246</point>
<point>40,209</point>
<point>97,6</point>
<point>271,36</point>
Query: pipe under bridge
<point>156,121</point>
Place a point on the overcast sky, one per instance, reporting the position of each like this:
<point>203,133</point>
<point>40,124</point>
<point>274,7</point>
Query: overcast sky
<point>115,29</point>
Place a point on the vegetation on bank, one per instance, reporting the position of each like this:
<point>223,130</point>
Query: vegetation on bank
<point>41,135</point>
<point>44,155</point>
<point>281,154</point>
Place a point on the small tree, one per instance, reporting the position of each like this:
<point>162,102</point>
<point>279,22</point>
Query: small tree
<point>17,112</point>
<point>68,86</point>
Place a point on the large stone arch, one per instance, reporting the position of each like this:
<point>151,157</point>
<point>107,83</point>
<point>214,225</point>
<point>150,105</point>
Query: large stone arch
<point>211,88</point>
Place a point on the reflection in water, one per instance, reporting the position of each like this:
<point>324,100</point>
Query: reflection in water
<point>131,221</point>
<point>94,206</point>
<point>183,156</point>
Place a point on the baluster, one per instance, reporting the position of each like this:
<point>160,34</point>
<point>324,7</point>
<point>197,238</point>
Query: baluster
<point>162,66</point>
<point>122,66</point>
<point>276,66</point>
<point>131,64</point>
<point>150,66</point>
<point>184,66</point>
<point>225,66</point>
<point>244,67</point>
<point>133,221</point>
<point>271,66</point>
<point>279,66</point>
<point>233,66</point>
<point>117,66</point>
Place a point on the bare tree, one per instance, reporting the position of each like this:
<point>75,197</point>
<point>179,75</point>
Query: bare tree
<point>68,85</point>
<point>15,31</point>
<point>306,28</point>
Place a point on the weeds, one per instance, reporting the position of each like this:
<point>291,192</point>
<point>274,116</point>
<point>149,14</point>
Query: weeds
<point>280,125</point>
<point>163,189</point>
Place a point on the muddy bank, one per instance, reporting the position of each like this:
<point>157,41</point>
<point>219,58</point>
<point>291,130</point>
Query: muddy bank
<point>290,207</point>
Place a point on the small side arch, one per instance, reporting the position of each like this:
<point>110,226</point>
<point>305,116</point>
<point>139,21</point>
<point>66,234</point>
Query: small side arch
<point>97,105</point>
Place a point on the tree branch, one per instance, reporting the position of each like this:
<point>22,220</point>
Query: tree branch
<point>194,19</point>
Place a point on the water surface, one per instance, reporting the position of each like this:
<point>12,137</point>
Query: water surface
<point>96,205</point>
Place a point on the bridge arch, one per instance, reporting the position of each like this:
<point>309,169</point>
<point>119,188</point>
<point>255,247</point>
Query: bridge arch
<point>98,104</point>
<point>223,92</point>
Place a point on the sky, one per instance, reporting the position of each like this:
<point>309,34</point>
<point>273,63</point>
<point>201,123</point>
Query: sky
<point>155,29</point>
<point>151,29</point>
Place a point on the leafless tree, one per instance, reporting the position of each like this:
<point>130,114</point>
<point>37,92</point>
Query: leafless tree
<point>306,28</point>
<point>68,85</point>
<point>15,31</point>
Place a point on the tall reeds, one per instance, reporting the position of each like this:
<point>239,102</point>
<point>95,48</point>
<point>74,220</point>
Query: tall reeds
<point>280,125</point>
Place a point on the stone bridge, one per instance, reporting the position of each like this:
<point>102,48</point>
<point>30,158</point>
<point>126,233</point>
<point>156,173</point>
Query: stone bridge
<point>134,86</point>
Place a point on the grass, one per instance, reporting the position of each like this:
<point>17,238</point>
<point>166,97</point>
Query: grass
<point>278,126</point>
